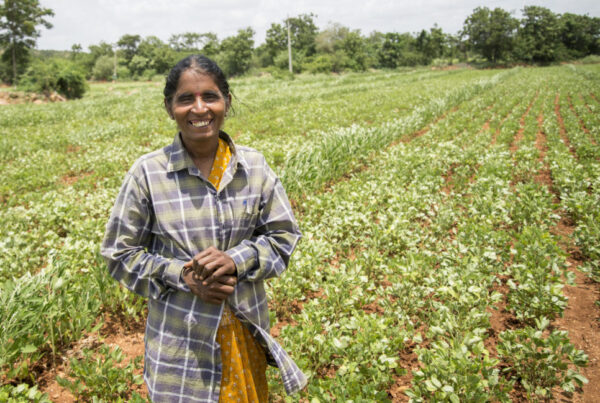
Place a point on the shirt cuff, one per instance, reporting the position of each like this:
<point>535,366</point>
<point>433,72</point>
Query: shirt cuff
<point>244,257</point>
<point>174,276</point>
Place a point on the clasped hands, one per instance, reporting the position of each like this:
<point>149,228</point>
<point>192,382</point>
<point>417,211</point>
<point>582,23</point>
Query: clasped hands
<point>211,275</point>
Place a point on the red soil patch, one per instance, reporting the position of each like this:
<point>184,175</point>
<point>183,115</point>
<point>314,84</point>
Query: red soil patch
<point>582,317</point>
<point>426,129</point>
<point>594,97</point>
<point>501,318</point>
<point>114,332</point>
<point>409,361</point>
<point>486,126</point>
<point>71,178</point>
<point>73,149</point>
<point>373,307</point>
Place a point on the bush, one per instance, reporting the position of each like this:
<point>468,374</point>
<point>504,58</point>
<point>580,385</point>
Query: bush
<point>318,64</point>
<point>103,68</point>
<point>123,73</point>
<point>591,59</point>
<point>60,76</point>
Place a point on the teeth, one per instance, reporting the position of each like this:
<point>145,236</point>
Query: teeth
<point>200,123</point>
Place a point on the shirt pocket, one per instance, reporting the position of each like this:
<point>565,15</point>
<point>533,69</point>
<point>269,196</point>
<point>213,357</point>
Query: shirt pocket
<point>248,216</point>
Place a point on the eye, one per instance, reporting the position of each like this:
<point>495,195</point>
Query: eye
<point>211,96</point>
<point>184,99</point>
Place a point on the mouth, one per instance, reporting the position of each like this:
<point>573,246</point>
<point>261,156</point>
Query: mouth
<point>200,123</point>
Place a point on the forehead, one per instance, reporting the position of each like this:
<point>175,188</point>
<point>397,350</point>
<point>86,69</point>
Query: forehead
<point>195,81</point>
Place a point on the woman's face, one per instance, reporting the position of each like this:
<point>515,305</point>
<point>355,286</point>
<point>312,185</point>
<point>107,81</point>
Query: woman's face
<point>198,107</point>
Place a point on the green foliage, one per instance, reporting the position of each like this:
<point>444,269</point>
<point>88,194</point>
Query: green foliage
<point>19,20</point>
<point>399,50</point>
<point>579,34</point>
<point>104,68</point>
<point>302,35</point>
<point>99,375</point>
<point>538,37</point>
<point>491,32</point>
<point>158,55</point>
<point>57,75</point>
<point>22,393</point>
<point>438,209</point>
<point>128,45</point>
<point>457,372</point>
<point>541,362</point>
<point>318,64</point>
<point>236,52</point>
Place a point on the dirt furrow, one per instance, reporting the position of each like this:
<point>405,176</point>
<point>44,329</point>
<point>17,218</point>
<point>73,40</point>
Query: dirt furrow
<point>561,124</point>
<point>519,135</point>
<point>580,318</point>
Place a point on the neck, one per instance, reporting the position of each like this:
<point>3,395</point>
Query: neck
<point>202,150</point>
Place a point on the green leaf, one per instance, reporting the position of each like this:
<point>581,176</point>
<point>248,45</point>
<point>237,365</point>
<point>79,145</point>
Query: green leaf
<point>28,349</point>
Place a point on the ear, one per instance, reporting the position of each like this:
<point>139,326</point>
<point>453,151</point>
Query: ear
<point>168,108</point>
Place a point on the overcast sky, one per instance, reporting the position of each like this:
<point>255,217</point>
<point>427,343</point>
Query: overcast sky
<point>87,22</point>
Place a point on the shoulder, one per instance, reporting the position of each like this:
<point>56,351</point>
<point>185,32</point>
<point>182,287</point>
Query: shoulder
<point>155,160</point>
<point>251,155</point>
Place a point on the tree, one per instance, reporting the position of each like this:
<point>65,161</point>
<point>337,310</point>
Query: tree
<point>75,50</point>
<point>538,38</point>
<point>431,44</point>
<point>303,32</point>
<point>158,54</point>
<point>345,49</point>
<point>490,33</point>
<point>580,34</point>
<point>128,44</point>
<point>236,52</point>
<point>399,50</point>
<point>19,20</point>
<point>103,68</point>
<point>210,43</point>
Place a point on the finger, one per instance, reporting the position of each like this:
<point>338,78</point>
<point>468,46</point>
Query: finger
<point>220,289</point>
<point>227,280</point>
<point>198,266</point>
<point>209,263</point>
<point>189,263</point>
<point>214,277</point>
<point>206,252</point>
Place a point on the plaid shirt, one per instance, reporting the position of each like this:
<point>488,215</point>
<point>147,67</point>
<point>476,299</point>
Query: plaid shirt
<point>165,213</point>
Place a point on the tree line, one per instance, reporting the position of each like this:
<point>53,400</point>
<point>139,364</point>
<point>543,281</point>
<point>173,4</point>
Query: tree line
<point>488,37</point>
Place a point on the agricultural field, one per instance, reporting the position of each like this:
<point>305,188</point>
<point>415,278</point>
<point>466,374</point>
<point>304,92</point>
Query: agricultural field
<point>451,225</point>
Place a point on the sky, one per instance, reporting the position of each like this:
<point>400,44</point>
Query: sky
<point>87,22</point>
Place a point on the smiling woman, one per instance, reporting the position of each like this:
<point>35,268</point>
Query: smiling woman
<point>197,227</point>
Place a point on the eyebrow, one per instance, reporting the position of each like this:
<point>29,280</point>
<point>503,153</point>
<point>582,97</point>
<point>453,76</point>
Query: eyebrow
<point>189,93</point>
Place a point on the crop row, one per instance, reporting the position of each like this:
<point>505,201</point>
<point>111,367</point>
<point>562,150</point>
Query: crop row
<point>397,265</point>
<point>56,235</point>
<point>432,270</point>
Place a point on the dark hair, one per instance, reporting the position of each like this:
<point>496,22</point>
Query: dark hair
<point>201,64</point>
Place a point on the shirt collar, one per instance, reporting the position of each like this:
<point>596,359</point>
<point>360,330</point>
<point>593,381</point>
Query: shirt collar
<point>180,159</point>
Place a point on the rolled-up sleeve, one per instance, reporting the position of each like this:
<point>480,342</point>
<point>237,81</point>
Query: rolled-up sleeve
<point>126,242</point>
<point>267,252</point>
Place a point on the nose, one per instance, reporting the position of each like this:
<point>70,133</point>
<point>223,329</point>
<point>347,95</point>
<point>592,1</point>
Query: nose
<point>199,104</point>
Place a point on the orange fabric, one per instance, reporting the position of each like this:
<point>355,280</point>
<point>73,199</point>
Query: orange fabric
<point>244,377</point>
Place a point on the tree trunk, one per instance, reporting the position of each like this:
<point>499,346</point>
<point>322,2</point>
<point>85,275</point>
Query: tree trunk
<point>14,64</point>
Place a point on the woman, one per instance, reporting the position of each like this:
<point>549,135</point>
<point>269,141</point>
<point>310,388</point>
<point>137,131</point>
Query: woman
<point>197,227</point>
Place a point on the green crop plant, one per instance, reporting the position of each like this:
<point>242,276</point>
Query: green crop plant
<point>99,376</point>
<point>540,361</point>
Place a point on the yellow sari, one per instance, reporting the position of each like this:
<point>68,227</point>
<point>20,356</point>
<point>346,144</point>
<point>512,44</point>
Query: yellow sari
<point>244,363</point>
